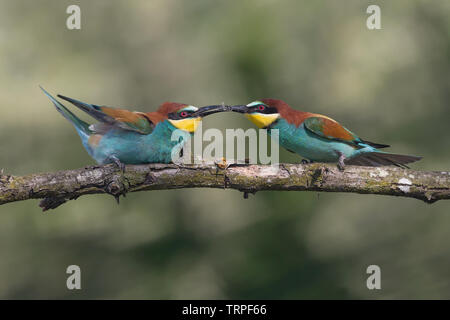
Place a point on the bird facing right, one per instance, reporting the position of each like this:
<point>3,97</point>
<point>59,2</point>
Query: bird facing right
<point>125,137</point>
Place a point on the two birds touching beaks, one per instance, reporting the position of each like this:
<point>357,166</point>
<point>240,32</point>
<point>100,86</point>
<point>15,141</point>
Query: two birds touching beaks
<point>125,137</point>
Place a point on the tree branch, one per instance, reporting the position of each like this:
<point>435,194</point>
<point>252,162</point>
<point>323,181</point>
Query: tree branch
<point>59,187</point>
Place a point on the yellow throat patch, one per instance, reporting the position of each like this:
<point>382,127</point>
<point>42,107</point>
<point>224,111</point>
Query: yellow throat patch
<point>189,125</point>
<point>262,120</point>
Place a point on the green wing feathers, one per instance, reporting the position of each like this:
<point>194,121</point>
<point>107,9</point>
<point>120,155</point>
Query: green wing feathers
<point>330,129</point>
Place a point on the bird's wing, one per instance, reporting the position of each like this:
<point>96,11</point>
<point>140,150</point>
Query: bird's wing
<point>128,120</point>
<point>124,119</point>
<point>329,129</point>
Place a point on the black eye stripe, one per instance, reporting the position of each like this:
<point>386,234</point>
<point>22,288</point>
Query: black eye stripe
<point>180,115</point>
<point>266,110</point>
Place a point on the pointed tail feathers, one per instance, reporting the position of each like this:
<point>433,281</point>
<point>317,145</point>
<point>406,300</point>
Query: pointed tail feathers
<point>377,159</point>
<point>81,126</point>
<point>91,109</point>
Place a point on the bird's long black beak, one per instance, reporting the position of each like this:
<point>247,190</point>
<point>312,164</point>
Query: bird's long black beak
<point>206,111</point>
<point>239,108</point>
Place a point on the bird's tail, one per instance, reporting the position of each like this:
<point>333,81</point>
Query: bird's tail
<point>377,159</point>
<point>81,126</point>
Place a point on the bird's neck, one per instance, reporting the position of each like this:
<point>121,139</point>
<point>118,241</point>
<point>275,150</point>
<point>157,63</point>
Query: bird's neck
<point>295,117</point>
<point>158,145</point>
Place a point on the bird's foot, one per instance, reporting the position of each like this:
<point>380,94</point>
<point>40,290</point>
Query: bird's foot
<point>119,186</point>
<point>121,166</point>
<point>341,163</point>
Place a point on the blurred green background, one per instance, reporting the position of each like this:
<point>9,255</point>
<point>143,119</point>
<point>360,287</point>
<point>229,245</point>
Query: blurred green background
<point>389,86</point>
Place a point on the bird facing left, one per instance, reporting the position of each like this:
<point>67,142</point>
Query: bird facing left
<point>126,137</point>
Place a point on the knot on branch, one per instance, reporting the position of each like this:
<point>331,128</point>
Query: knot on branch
<point>118,186</point>
<point>247,192</point>
<point>318,177</point>
<point>149,179</point>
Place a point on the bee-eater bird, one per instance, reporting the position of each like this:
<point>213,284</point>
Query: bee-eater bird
<point>126,137</point>
<point>318,138</point>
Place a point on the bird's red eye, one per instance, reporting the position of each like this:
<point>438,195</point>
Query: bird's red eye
<point>184,114</point>
<point>261,107</point>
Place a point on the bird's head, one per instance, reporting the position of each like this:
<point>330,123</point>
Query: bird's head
<point>263,112</point>
<point>187,117</point>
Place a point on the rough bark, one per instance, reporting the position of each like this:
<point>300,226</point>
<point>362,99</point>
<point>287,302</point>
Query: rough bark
<point>59,187</point>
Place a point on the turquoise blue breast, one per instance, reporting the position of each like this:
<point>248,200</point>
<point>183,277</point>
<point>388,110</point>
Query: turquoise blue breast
<point>134,148</point>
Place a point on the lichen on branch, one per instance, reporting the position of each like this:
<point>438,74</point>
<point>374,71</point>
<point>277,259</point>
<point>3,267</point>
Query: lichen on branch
<point>59,187</point>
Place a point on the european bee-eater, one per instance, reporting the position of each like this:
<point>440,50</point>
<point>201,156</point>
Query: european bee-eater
<point>126,137</point>
<point>317,137</point>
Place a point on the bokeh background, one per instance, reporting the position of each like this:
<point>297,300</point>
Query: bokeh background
<point>389,86</point>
